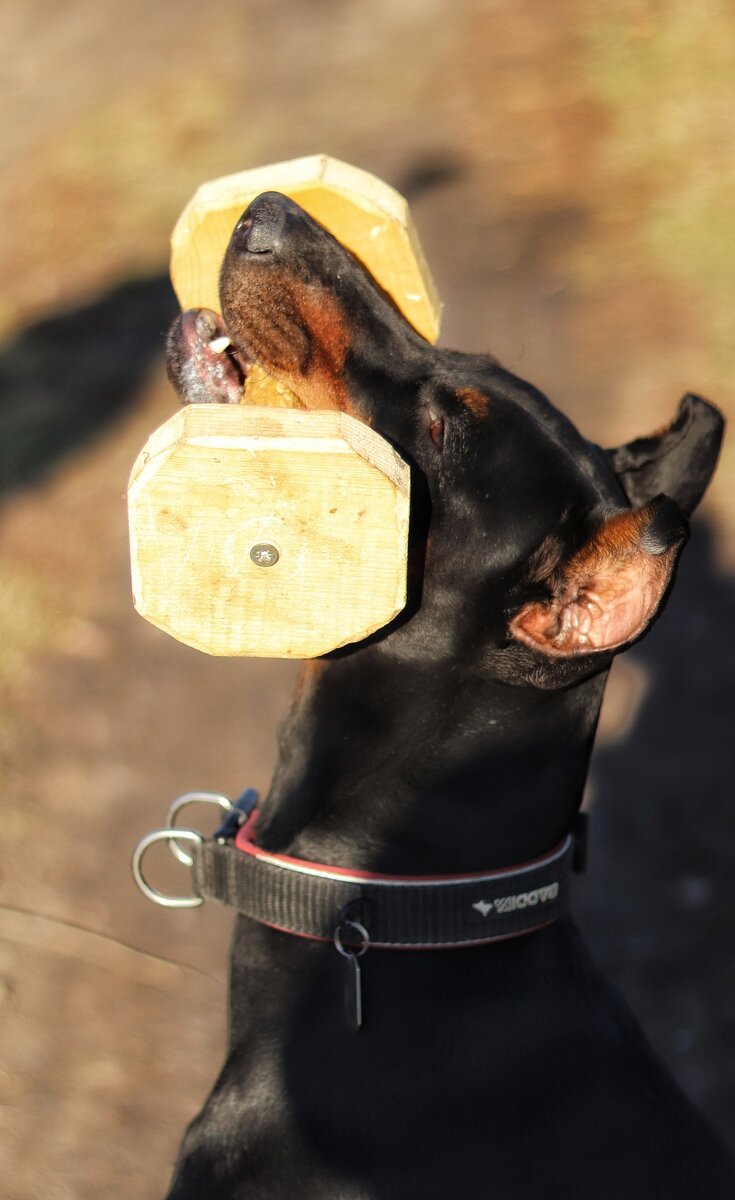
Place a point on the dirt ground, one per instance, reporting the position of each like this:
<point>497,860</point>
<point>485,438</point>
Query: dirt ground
<point>570,172</point>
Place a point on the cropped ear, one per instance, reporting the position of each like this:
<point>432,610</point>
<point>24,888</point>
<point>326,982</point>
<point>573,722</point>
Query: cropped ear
<point>606,595</point>
<point>678,462</point>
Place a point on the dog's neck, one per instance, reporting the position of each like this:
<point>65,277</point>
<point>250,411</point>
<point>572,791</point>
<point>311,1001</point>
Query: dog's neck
<point>396,769</point>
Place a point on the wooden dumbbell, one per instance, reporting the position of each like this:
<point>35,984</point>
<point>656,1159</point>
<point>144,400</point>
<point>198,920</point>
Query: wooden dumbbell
<point>263,528</point>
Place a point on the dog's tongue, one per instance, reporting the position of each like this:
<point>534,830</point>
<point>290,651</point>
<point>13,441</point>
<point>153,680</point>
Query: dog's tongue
<point>205,367</point>
<point>202,365</point>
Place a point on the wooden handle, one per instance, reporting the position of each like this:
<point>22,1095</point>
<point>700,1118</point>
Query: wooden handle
<point>276,531</point>
<point>268,532</point>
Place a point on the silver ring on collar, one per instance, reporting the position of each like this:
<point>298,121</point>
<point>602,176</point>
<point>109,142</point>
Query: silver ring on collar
<point>183,802</point>
<point>350,951</point>
<point>164,835</point>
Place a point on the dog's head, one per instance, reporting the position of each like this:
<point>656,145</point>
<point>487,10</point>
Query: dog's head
<point>540,554</point>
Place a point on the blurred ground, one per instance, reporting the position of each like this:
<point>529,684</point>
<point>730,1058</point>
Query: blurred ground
<point>570,169</point>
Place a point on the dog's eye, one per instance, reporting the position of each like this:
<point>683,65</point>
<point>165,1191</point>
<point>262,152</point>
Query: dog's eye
<point>436,432</point>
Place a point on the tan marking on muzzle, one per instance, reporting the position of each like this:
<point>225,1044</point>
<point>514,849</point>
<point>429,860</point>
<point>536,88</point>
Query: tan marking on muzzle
<point>476,401</point>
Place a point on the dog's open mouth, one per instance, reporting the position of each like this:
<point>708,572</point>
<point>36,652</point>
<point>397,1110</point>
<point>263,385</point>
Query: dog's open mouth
<point>203,364</point>
<point>201,361</point>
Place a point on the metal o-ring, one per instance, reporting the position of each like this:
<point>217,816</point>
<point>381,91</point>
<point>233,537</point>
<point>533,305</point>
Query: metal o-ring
<point>347,952</point>
<point>159,835</point>
<point>182,802</point>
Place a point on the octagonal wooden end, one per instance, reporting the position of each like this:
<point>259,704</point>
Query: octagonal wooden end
<point>365,214</point>
<point>268,532</point>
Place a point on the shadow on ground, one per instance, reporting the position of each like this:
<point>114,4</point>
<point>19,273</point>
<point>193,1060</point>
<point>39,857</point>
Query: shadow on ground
<point>657,903</point>
<point>68,376</point>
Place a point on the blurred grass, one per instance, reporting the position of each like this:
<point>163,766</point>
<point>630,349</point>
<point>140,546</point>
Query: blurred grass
<point>105,191</point>
<point>665,74</point>
<point>32,604</point>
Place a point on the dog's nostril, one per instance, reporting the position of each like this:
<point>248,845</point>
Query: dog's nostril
<point>260,228</point>
<point>253,235</point>
<point>261,237</point>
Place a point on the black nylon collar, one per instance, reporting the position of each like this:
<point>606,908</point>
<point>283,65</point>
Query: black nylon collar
<point>312,899</point>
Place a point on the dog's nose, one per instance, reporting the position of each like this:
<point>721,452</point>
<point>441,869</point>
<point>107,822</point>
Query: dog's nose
<point>261,227</point>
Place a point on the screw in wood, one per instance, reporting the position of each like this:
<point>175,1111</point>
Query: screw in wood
<point>264,554</point>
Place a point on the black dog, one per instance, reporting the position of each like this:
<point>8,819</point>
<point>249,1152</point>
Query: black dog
<point>454,742</point>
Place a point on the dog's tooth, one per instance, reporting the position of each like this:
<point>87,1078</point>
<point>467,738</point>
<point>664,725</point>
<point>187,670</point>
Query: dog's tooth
<point>219,344</point>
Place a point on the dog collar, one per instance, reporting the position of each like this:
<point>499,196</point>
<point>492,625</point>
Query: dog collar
<point>315,900</point>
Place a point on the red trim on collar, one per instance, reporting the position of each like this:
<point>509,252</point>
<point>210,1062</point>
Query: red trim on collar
<point>500,937</point>
<point>246,833</point>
